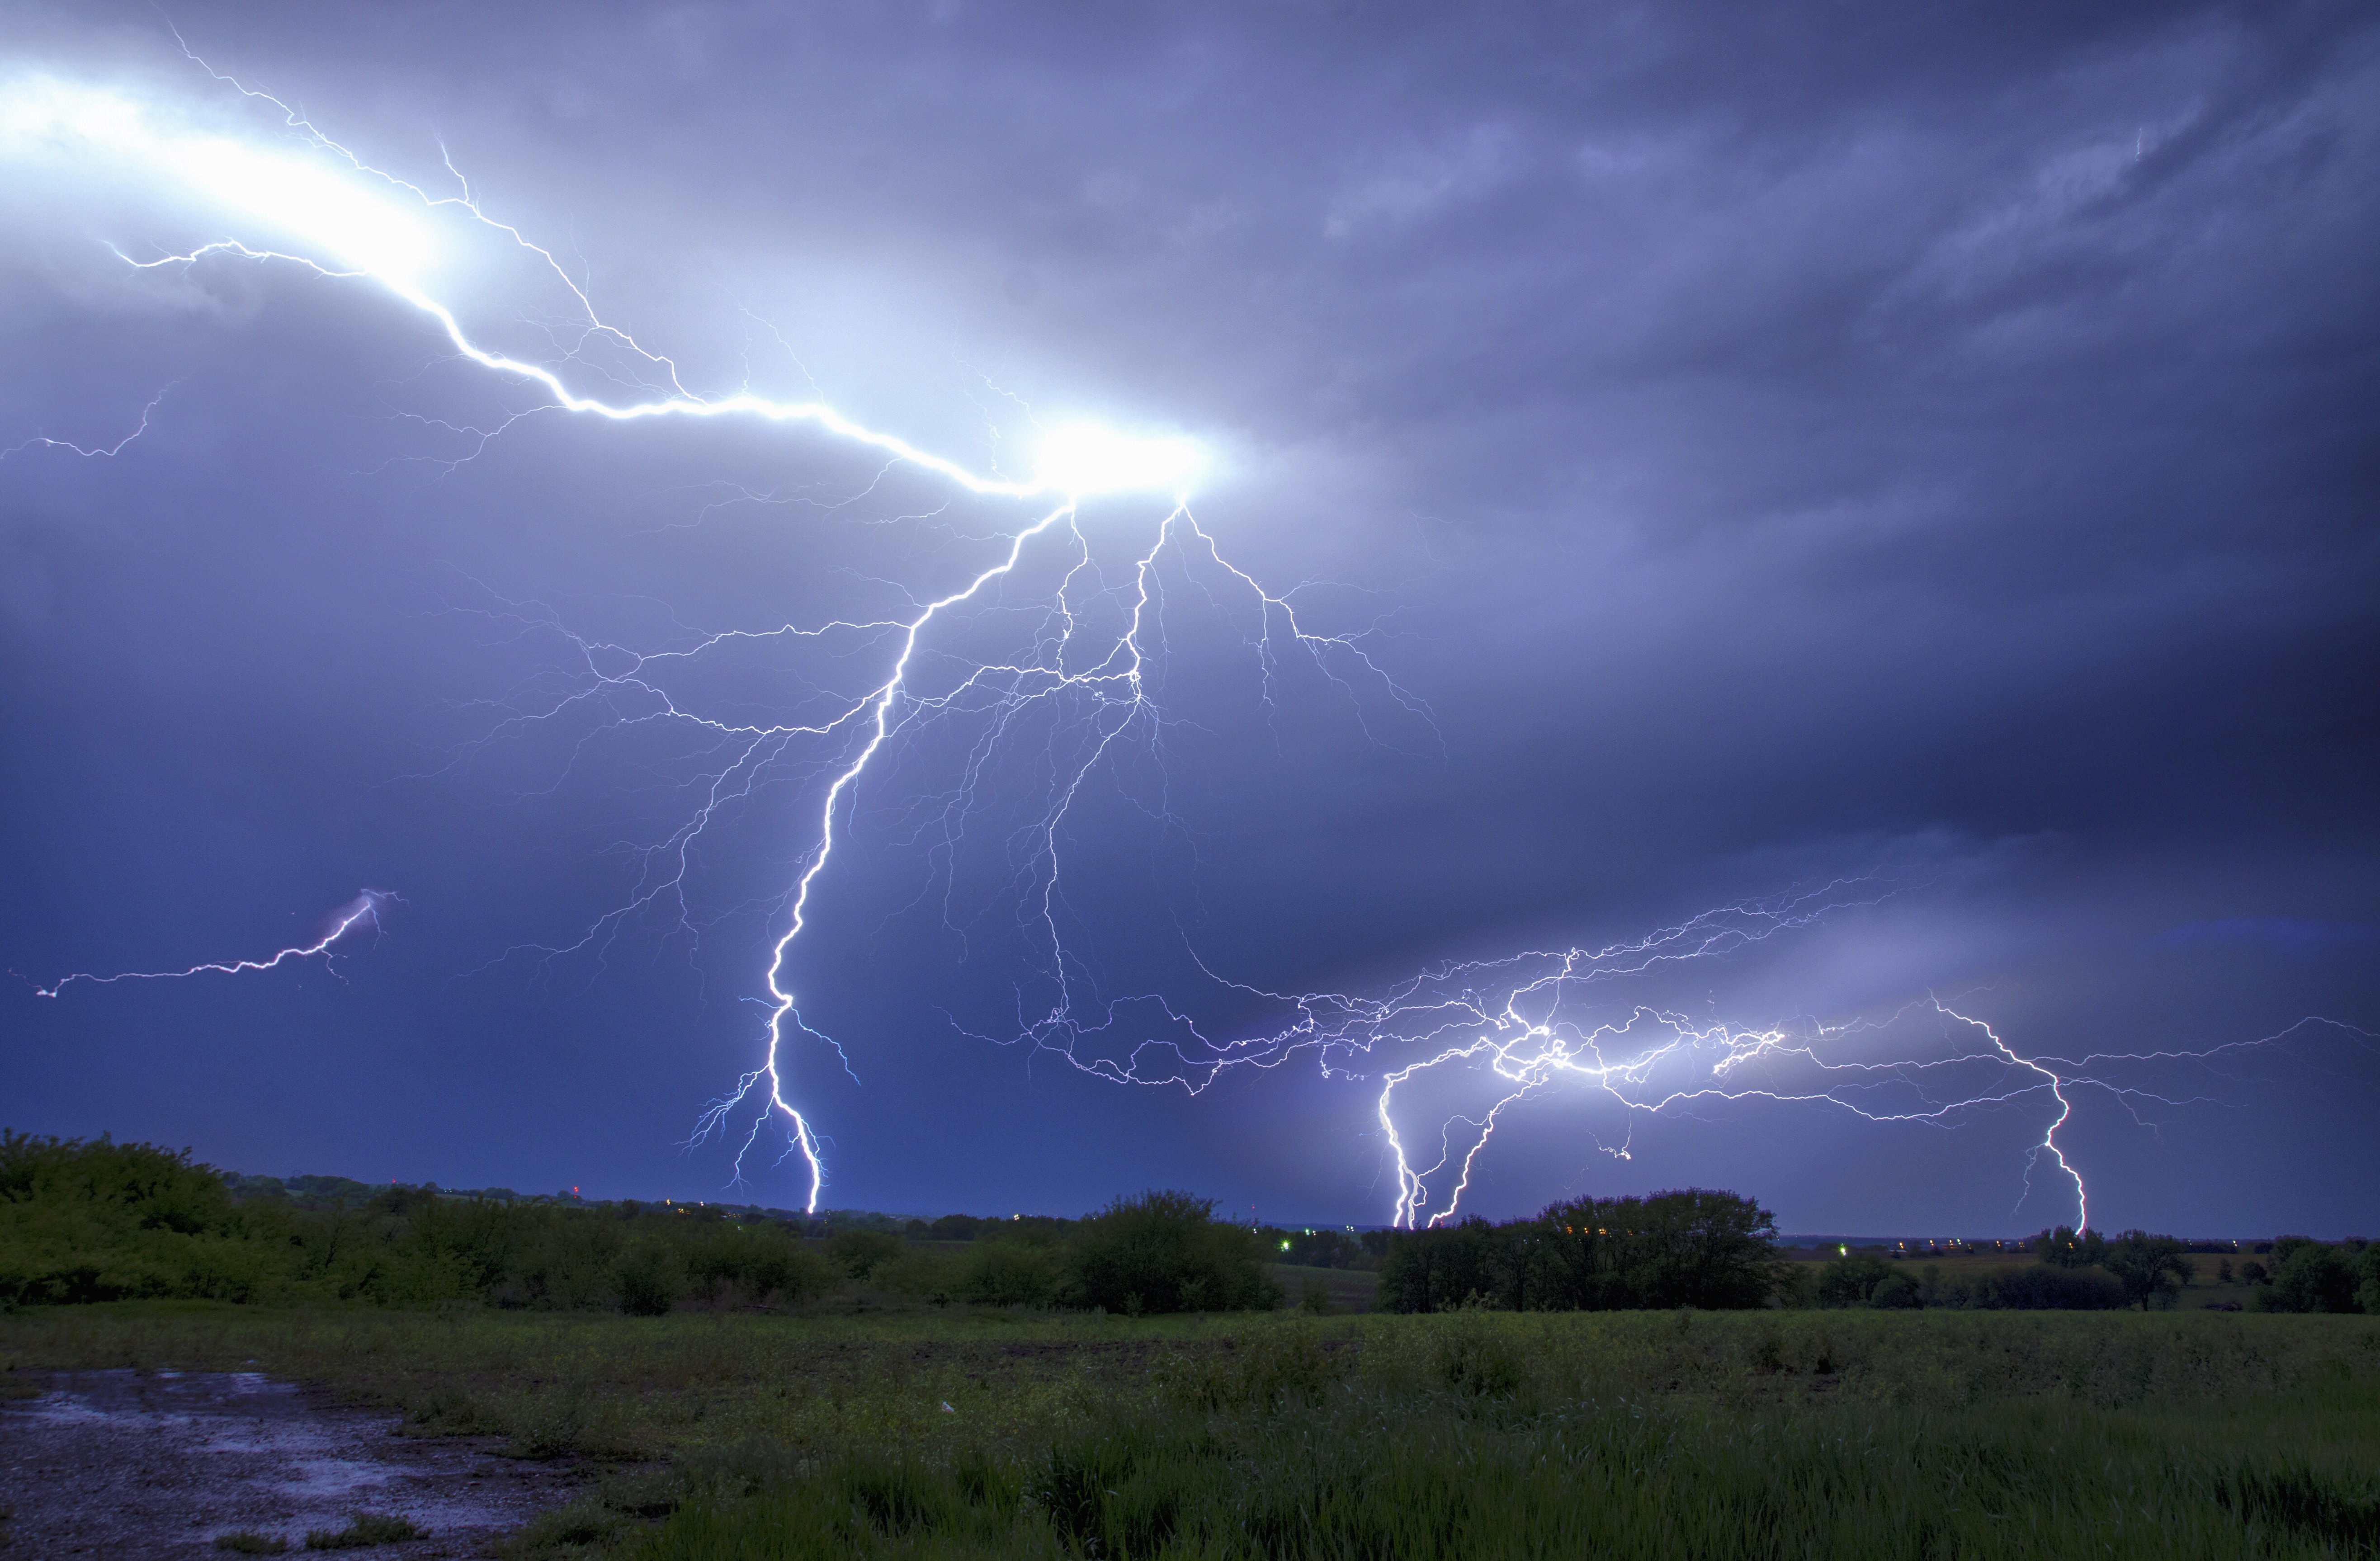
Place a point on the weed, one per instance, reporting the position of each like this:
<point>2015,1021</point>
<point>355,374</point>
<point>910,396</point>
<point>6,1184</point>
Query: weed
<point>452,1412</point>
<point>1474,1356</point>
<point>249,1541</point>
<point>363,1531</point>
<point>580,1524</point>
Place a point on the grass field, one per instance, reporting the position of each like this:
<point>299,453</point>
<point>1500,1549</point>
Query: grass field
<point>1631,1434</point>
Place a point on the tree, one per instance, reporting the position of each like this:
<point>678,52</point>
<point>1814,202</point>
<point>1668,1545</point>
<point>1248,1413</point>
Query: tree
<point>2068,1248</point>
<point>1694,1248</point>
<point>2313,1277</point>
<point>1852,1279</point>
<point>1435,1269</point>
<point>1165,1252</point>
<point>1898,1293</point>
<point>2149,1267</point>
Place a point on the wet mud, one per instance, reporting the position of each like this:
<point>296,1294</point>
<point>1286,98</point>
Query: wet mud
<point>120,1464</point>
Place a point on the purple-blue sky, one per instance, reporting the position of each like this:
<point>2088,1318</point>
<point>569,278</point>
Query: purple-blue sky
<point>1777,446</point>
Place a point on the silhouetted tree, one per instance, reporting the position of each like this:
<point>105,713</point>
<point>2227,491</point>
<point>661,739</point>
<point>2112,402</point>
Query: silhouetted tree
<point>2068,1247</point>
<point>1689,1248</point>
<point>2149,1267</point>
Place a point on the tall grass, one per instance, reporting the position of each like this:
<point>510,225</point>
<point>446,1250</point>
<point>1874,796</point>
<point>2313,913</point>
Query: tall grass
<point>1380,1473</point>
<point>1460,1440</point>
<point>1471,1434</point>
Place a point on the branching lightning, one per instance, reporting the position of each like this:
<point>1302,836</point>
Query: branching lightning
<point>363,911</point>
<point>90,452</point>
<point>1453,1050</point>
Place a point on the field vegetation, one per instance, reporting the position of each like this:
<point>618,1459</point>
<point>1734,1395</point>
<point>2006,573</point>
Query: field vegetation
<point>855,1416</point>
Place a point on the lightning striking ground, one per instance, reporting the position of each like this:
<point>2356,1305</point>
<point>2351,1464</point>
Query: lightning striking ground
<point>1453,1050</point>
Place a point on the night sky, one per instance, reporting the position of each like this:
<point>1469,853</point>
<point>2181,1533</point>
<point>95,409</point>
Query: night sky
<point>1919,458</point>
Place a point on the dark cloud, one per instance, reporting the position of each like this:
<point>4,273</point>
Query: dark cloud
<point>1775,445</point>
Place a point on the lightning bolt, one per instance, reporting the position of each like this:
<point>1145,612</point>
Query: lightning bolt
<point>90,451</point>
<point>1503,1030</point>
<point>364,910</point>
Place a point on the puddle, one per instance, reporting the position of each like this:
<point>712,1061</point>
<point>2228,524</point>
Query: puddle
<point>124,1464</point>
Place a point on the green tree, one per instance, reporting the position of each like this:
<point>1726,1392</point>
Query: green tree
<point>2313,1277</point>
<point>1851,1279</point>
<point>2068,1248</point>
<point>1165,1252</point>
<point>1896,1293</point>
<point>2149,1267</point>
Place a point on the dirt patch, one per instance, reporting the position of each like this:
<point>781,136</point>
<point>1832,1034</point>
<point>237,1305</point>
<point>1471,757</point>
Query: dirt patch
<point>160,1464</point>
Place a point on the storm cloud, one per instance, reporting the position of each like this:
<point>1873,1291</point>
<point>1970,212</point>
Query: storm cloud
<point>1774,445</point>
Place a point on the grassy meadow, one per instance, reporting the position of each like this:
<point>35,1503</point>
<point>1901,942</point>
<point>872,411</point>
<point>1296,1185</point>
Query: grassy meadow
<point>1617,1378</point>
<point>824,1431</point>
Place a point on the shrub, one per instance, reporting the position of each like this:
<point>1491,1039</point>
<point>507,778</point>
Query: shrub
<point>861,1251</point>
<point>650,1279</point>
<point>367,1529</point>
<point>1010,1273</point>
<point>927,1276</point>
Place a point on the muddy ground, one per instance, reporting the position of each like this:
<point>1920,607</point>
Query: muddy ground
<point>127,1465</point>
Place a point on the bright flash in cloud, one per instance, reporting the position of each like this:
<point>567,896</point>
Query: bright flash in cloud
<point>298,198</point>
<point>1085,458</point>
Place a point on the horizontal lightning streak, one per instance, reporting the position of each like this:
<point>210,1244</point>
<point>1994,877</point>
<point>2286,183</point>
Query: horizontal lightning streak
<point>362,910</point>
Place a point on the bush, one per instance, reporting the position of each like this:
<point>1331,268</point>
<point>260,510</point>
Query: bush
<point>861,1251</point>
<point>651,1279</point>
<point>1011,1273</point>
<point>83,1220</point>
<point>757,1265</point>
<point>1164,1252</point>
<point>366,1529</point>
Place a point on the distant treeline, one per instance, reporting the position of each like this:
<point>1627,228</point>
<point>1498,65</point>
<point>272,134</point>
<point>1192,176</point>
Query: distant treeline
<point>1719,1250</point>
<point>1714,1250</point>
<point>83,1221</point>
